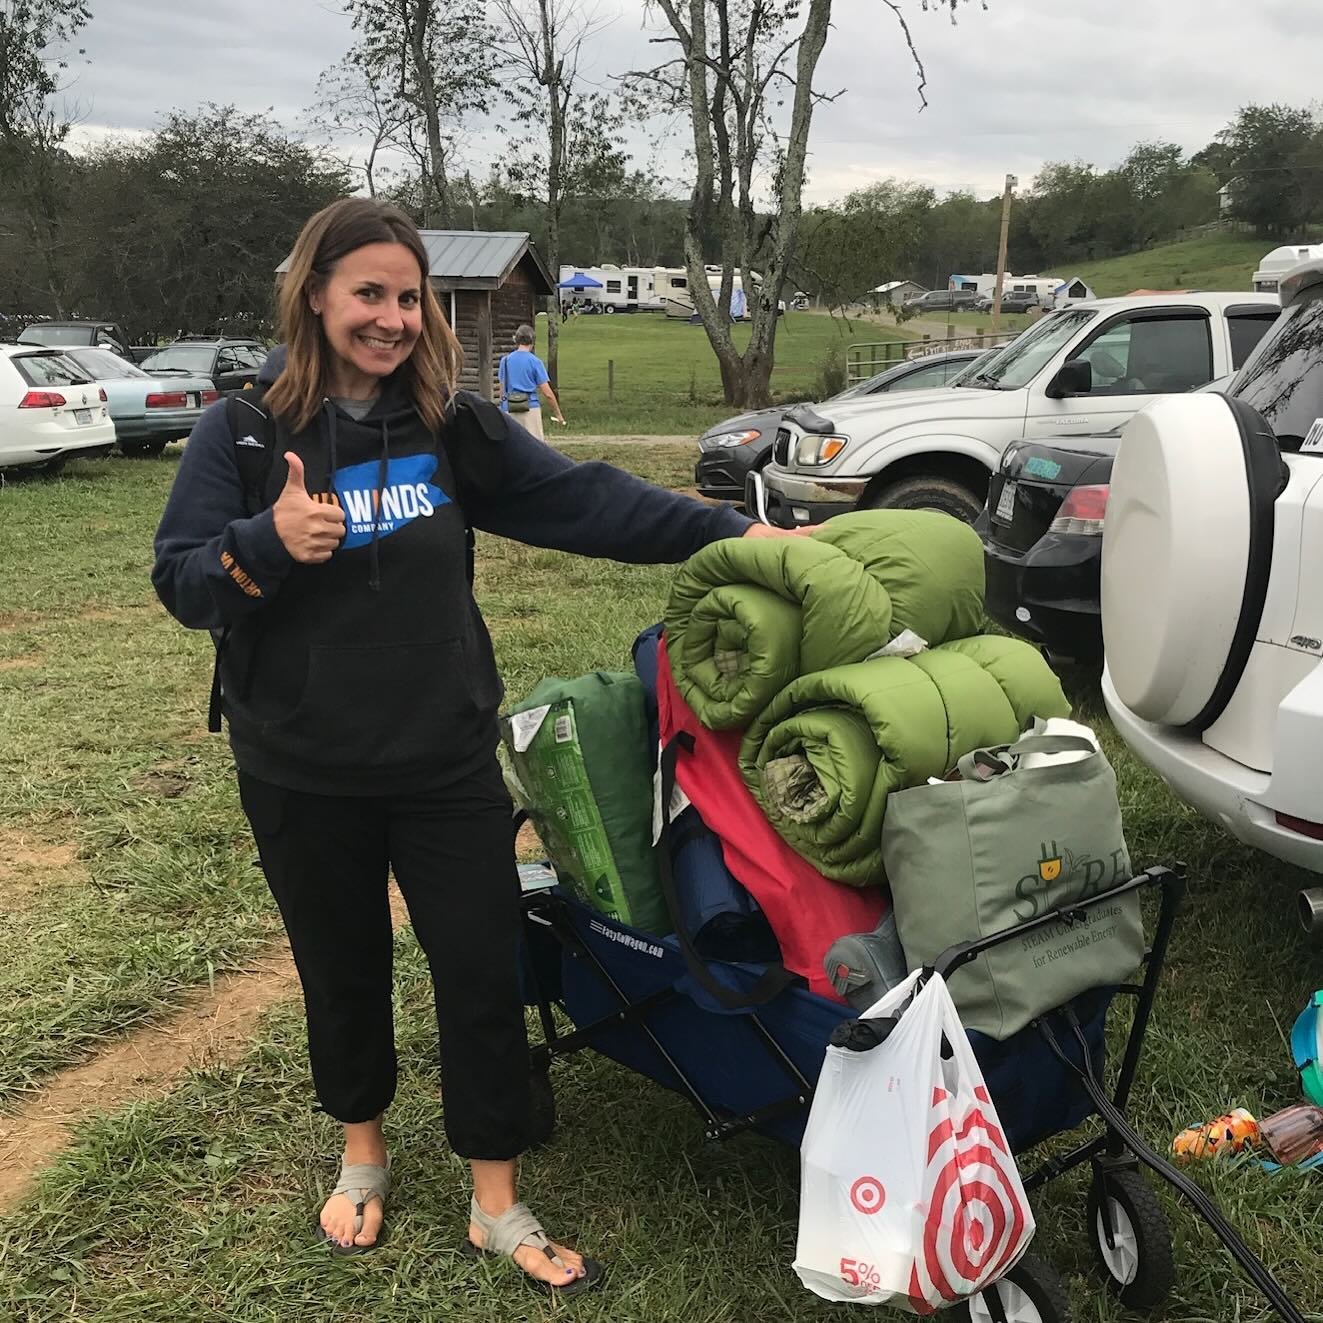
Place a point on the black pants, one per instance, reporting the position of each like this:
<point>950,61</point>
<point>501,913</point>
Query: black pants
<point>326,859</point>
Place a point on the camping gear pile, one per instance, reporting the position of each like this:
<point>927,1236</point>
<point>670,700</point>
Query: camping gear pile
<point>824,811</point>
<point>805,681</point>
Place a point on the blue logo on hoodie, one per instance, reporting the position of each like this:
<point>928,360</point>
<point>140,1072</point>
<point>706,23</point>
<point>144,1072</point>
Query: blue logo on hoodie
<point>405,495</point>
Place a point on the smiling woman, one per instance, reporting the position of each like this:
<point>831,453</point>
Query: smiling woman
<point>324,528</point>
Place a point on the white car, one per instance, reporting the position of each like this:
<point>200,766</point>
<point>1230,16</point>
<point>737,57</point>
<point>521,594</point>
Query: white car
<point>1212,619</point>
<point>1076,372</point>
<point>49,409</point>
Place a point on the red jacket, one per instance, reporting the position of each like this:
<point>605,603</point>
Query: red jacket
<point>807,911</point>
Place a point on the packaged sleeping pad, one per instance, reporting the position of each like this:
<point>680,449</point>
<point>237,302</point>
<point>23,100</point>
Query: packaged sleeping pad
<point>580,754</point>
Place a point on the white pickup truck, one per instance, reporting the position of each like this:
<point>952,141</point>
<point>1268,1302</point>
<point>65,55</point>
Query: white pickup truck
<point>1082,370</point>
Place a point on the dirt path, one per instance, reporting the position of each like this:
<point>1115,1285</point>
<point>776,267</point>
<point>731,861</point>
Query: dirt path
<point>212,1027</point>
<point>569,439</point>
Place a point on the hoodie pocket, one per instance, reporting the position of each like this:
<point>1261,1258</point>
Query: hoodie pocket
<point>379,706</point>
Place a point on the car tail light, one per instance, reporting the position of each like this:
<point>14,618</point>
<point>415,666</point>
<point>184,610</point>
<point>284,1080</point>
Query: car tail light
<point>42,399</point>
<point>173,399</point>
<point>1082,511</point>
<point>210,396</point>
<point>1301,826</point>
<point>101,394</point>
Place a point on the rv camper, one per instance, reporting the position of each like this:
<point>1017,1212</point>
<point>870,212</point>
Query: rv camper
<point>1279,262</point>
<point>624,288</point>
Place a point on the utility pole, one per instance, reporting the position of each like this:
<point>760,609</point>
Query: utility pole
<point>1011,182</point>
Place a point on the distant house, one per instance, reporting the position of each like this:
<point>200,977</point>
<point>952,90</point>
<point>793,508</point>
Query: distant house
<point>895,292</point>
<point>488,283</point>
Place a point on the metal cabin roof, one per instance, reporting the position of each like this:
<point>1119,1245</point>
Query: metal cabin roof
<point>479,258</point>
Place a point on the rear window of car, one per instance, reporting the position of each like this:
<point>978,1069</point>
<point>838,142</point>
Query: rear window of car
<point>193,358</point>
<point>1283,377</point>
<point>103,365</point>
<point>40,369</point>
<point>1247,329</point>
<point>42,334</point>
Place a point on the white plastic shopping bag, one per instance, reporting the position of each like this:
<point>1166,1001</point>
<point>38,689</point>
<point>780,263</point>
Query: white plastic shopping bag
<point>909,1193</point>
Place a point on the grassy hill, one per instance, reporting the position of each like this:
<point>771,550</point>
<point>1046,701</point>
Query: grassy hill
<point>1214,261</point>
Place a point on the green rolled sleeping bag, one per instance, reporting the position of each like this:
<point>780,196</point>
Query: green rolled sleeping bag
<point>580,753</point>
<point>747,616</point>
<point>824,755</point>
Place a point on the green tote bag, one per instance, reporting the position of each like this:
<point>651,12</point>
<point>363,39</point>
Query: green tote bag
<point>999,847</point>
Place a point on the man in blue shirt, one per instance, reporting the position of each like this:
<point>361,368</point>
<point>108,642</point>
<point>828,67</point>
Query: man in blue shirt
<point>523,376</point>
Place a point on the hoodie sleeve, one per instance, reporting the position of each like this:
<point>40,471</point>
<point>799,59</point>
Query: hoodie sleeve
<point>547,500</point>
<point>214,563</point>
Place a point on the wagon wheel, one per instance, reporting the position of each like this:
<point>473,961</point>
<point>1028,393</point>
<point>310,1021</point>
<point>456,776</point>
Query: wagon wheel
<point>1138,1263</point>
<point>1032,1292</point>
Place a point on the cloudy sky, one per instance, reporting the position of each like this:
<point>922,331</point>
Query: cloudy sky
<point>1009,87</point>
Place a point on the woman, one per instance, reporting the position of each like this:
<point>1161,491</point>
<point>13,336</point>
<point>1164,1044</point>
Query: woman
<point>359,684</point>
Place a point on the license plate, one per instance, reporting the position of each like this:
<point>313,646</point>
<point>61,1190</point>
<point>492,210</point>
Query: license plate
<point>1006,503</point>
<point>193,401</point>
<point>82,416</point>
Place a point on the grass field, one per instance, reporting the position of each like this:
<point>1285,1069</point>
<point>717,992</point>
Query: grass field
<point>1212,262</point>
<point>125,878</point>
<point>666,379</point>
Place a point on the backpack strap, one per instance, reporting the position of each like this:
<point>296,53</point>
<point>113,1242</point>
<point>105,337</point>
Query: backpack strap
<point>253,434</point>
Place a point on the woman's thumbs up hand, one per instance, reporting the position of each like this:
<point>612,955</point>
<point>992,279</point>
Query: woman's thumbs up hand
<point>311,530</point>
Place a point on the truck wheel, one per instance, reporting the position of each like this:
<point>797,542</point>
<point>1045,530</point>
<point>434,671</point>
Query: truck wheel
<point>927,494</point>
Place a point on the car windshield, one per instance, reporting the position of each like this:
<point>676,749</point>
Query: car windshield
<point>1283,378</point>
<point>50,369</point>
<point>1019,362</point>
<point>43,334</point>
<point>102,365</point>
<point>975,367</point>
<point>192,358</point>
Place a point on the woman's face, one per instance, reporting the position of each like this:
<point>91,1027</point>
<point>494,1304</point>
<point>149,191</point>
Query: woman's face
<point>371,308</point>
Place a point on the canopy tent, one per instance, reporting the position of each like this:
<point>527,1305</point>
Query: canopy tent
<point>580,281</point>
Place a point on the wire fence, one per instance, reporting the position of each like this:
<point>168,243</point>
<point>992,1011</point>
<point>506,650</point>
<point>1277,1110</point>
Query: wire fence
<point>868,358</point>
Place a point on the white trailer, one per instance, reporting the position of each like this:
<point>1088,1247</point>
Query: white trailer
<point>623,288</point>
<point>1278,262</point>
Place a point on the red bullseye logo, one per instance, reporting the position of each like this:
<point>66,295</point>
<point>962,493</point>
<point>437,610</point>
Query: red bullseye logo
<point>867,1195</point>
<point>977,1217</point>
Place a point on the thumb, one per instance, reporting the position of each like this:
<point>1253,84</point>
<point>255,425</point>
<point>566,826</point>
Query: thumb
<point>295,481</point>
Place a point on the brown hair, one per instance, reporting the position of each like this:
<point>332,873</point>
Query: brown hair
<point>431,370</point>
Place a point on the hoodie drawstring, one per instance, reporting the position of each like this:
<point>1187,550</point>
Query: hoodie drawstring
<point>328,411</point>
<point>374,576</point>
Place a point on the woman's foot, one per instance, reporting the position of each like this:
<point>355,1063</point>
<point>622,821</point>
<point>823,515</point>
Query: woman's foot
<point>533,1260</point>
<point>364,1143</point>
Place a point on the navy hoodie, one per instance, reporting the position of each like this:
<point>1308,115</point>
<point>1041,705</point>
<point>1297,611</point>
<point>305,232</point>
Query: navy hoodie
<point>373,672</point>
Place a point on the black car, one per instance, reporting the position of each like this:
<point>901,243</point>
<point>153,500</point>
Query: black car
<point>1042,539</point>
<point>942,300</point>
<point>738,446</point>
<point>231,364</point>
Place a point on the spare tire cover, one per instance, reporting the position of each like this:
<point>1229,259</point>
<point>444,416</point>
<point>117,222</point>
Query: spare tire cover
<point>1187,548</point>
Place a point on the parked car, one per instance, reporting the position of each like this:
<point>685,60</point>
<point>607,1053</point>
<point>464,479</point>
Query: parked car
<point>230,364</point>
<point>1012,300</point>
<point>1042,526</point>
<point>94,334</point>
<point>1210,604</point>
<point>941,300</point>
<point>1076,371</point>
<point>148,413</point>
<point>732,449</point>
<point>49,409</point>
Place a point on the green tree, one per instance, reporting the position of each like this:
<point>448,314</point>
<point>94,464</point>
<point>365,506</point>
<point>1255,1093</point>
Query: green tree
<point>184,231</point>
<point>36,47</point>
<point>1271,151</point>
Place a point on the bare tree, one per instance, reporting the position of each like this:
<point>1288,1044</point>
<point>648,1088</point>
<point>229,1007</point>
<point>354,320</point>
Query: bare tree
<point>569,137</point>
<point>430,63</point>
<point>739,62</point>
<point>354,100</point>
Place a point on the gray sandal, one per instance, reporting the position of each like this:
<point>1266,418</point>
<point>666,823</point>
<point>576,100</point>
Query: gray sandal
<point>362,1182</point>
<point>515,1227</point>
